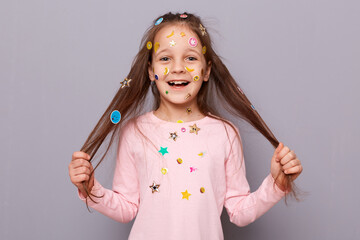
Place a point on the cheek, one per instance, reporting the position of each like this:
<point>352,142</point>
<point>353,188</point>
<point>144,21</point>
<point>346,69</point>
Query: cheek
<point>197,74</point>
<point>160,72</point>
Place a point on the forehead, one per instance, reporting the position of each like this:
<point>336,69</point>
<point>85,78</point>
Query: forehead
<point>177,32</point>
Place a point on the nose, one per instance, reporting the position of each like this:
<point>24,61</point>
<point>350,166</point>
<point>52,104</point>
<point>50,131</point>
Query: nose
<point>178,66</point>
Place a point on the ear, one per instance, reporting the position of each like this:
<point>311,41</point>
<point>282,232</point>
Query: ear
<point>151,72</point>
<point>207,73</point>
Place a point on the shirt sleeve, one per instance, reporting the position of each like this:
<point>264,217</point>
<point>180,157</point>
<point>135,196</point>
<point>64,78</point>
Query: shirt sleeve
<point>121,203</point>
<point>242,206</point>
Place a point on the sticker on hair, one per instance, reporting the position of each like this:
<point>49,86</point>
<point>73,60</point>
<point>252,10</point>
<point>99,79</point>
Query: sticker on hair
<point>115,117</point>
<point>189,69</point>
<point>125,83</point>
<point>156,46</point>
<point>159,21</point>
<point>149,45</point>
<point>202,29</point>
<point>193,42</point>
<point>183,16</point>
<point>170,35</point>
<point>204,50</point>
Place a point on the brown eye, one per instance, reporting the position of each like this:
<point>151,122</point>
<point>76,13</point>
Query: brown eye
<point>192,58</point>
<point>164,59</point>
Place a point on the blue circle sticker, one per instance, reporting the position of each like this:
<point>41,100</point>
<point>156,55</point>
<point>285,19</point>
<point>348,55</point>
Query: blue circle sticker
<point>115,116</point>
<point>159,21</point>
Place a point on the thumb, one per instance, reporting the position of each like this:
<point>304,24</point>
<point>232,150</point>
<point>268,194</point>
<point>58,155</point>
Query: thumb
<point>277,150</point>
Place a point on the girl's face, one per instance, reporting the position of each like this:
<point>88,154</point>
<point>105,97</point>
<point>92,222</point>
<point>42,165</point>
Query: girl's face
<point>178,64</point>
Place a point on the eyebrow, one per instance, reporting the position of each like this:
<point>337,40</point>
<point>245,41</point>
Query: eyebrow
<point>188,49</point>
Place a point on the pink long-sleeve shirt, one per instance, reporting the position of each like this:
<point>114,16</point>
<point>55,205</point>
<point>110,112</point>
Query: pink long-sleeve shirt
<point>199,167</point>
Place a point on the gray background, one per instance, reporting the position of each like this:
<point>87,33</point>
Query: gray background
<point>61,63</point>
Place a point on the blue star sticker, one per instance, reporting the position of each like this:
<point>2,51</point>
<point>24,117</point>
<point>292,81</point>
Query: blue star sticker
<point>163,150</point>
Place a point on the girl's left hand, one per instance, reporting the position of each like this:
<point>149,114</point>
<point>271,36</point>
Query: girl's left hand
<point>285,162</point>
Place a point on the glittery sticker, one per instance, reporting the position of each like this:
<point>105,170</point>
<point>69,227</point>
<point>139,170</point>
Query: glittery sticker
<point>196,78</point>
<point>115,116</point>
<point>204,50</point>
<point>185,195</point>
<point>173,136</point>
<point>194,129</point>
<point>193,42</point>
<point>172,43</point>
<point>179,161</point>
<point>171,34</point>
<point>159,21</point>
<point>149,45</point>
<point>163,150</point>
<point>164,170</point>
<point>125,83</point>
<point>189,69</point>
<point>166,71</point>
<point>188,110</point>
<point>154,187</point>
<point>156,46</point>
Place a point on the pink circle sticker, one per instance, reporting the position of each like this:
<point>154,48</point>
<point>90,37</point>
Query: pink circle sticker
<point>193,42</point>
<point>183,129</point>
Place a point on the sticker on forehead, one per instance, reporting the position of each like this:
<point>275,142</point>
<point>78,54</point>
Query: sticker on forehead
<point>156,46</point>
<point>172,43</point>
<point>171,34</point>
<point>193,42</point>
<point>182,34</point>
<point>189,69</point>
<point>166,71</point>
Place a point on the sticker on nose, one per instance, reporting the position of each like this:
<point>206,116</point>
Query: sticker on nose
<point>193,42</point>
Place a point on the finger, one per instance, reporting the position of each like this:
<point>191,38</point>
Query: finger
<point>81,170</point>
<point>277,150</point>
<point>294,170</point>
<point>80,154</point>
<point>288,157</point>
<point>283,152</point>
<point>291,164</point>
<point>79,163</point>
<point>77,180</point>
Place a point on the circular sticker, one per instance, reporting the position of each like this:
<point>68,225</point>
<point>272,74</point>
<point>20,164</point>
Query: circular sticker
<point>159,21</point>
<point>156,77</point>
<point>202,190</point>
<point>183,129</point>
<point>164,170</point>
<point>149,45</point>
<point>193,42</point>
<point>115,116</point>
<point>179,160</point>
<point>196,78</point>
<point>204,50</point>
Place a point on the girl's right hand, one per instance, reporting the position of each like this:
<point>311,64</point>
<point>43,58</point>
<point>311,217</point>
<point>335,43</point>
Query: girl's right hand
<point>79,171</point>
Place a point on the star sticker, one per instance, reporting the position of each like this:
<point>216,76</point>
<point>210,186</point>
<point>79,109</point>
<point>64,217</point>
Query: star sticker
<point>185,195</point>
<point>154,187</point>
<point>202,29</point>
<point>163,150</point>
<point>172,43</point>
<point>173,136</point>
<point>194,129</point>
<point>125,83</point>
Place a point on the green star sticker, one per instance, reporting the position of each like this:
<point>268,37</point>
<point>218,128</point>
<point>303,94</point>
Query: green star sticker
<point>163,150</point>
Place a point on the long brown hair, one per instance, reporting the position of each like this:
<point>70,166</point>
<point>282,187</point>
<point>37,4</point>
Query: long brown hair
<point>129,101</point>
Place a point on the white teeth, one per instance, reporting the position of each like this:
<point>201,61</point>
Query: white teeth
<point>178,82</point>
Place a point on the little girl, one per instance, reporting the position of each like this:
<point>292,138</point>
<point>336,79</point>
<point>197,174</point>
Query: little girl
<point>179,165</point>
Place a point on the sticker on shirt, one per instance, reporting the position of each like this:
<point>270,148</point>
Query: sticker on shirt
<point>173,136</point>
<point>163,150</point>
<point>194,129</point>
<point>154,187</point>
<point>185,195</point>
<point>193,169</point>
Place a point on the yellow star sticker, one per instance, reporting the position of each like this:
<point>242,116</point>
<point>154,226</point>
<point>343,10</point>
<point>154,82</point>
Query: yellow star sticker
<point>194,129</point>
<point>185,195</point>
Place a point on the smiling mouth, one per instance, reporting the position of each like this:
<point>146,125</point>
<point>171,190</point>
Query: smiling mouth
<point>178,83</point>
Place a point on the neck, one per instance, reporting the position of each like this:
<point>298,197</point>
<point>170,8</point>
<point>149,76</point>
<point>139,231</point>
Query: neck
<point>174,112</point>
